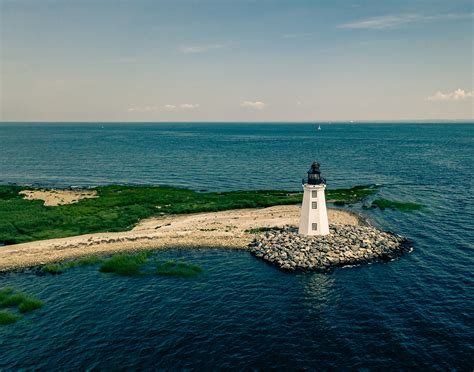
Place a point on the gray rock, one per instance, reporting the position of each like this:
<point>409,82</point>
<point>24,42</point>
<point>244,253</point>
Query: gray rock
<point>345,245</point>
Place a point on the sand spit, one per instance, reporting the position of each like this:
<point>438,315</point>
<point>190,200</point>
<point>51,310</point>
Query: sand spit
<point>57,197</point>
<point>225,229</point>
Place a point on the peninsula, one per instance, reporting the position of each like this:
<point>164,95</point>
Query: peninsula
<point>40,226</point>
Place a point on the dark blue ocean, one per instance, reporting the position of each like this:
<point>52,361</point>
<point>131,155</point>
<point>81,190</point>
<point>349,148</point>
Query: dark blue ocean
<point>412,313</point>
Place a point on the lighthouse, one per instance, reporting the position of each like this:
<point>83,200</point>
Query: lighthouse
<point>314,216</point>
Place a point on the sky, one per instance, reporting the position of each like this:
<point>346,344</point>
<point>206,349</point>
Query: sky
<point>236,60</point>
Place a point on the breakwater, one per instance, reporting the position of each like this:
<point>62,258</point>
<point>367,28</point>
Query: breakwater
<point>345,245</point>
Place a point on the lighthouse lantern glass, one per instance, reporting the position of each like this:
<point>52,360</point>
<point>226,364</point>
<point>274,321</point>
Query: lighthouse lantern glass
<point>314,175</point>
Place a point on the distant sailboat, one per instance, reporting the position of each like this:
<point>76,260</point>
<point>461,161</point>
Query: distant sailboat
<point>319,127</point>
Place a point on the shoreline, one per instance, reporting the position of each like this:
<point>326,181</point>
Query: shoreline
<point>223,230</point>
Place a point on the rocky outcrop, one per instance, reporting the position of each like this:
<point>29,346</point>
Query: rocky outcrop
<point>345,245</point>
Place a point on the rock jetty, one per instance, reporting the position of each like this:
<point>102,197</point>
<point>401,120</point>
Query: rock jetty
<point>345,245</point>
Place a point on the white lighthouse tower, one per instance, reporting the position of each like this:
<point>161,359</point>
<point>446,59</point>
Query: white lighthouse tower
<point>314,216</point>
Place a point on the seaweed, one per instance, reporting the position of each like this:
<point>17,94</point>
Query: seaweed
<point>9,298</point>
<point>393,204</point>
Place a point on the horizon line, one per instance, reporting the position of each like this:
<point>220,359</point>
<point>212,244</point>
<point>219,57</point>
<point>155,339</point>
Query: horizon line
<point>329,122</point>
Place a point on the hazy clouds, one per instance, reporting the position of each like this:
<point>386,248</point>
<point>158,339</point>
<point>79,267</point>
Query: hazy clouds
<point>235,61</point>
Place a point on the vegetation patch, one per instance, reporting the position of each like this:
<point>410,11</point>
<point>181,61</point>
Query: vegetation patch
<point>9,298</point>
<point>29,304</point>
<point>136,264</point>
<point>142,264</point>
<point>125,264</point>
<point>392,204</point>
<point>7,317</point>
<point>119,208</point>
<point>89,261</point>
<point>178,268</point>
<point>59,268</point>
<point>351,195</point>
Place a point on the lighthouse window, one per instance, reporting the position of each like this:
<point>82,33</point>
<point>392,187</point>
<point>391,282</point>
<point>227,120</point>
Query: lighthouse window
<point>314,205</point>
<point>315,226</point>
<point>314,194</point>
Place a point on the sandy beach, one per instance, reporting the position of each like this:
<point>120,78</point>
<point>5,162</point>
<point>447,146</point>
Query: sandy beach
<point>54,197</point>
<point>225,229</point>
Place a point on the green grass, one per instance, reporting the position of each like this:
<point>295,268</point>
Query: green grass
<point>9,298</point>
<point>119,208</point>
<point>139,265</point>
<point>15,299</point>
<point>392,204</point>
<point>135,264</point>
<point>352,195</point>
<point>178,268</point>
<point>7,317</point>
<point>125,264</point>
<point>5,297</point>
<point>29,304</point>
<point>89,261</point>
<point>58,268</point>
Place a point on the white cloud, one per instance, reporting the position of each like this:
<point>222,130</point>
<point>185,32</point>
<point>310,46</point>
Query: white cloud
<point>256,104</point>
<point>194,49</point>
<point>396,21</point>
<point>189,106</point>
<point>182,106</point>
<point>457,95</point>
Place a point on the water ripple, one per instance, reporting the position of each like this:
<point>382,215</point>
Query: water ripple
<point>414,312</point>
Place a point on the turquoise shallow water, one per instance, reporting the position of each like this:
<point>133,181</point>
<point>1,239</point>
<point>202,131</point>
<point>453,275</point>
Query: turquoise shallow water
<point>411,313</point>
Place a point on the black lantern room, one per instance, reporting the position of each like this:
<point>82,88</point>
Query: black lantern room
<point>314,175</point>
